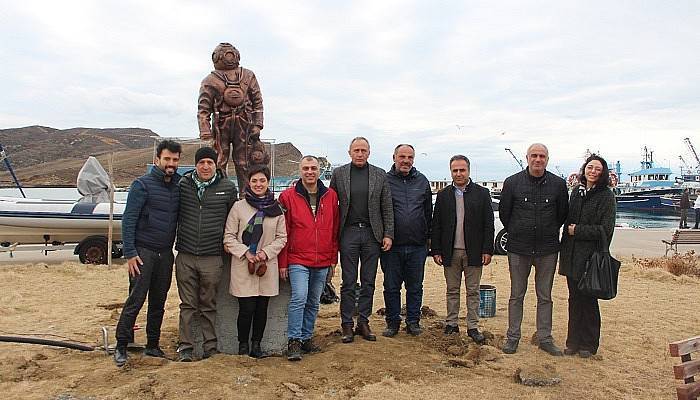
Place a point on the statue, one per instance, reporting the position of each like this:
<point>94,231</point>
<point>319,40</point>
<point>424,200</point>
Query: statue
<point>230,112</point>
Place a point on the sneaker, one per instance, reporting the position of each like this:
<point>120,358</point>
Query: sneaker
<point>551,348</point>
<point>154,351</point>
<point>510,347</point>
<point>185,355</point>
<point>308,347</point>
<point>392,329</point>
<point>294,350</point>
<point>120,356</point>
<point>450,329</point>
<point>476,336</point>
<point>413,328</point>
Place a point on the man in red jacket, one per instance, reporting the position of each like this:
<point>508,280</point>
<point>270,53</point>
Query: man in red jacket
<point>312,217</point>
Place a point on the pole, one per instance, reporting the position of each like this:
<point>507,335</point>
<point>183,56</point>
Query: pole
<point>3,157</point>
<point>111,210</point>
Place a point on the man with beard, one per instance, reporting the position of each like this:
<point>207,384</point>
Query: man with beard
<point>148,232</point>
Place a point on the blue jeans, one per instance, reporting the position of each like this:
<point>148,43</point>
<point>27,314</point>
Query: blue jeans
<point>403,264</point>
<point>307,285</point>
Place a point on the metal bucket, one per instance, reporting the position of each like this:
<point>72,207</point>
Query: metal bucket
<point>487,301</point>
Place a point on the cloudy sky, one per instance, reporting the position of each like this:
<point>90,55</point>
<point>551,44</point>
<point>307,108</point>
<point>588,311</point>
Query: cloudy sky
<point>470,77</point>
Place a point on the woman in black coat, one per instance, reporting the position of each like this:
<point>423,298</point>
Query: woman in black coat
<point>591,207</point>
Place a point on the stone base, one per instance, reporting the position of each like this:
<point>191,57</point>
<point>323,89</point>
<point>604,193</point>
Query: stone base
<point>275,337</point>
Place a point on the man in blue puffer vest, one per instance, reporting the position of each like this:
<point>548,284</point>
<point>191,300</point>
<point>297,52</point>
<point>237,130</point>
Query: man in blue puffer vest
<point>148,232</point>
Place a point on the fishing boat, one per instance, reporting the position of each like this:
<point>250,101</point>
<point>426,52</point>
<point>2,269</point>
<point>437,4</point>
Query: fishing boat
<point>647,187</point>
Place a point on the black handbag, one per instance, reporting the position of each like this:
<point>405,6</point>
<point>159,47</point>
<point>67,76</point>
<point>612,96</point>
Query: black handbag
<point>602,270</point>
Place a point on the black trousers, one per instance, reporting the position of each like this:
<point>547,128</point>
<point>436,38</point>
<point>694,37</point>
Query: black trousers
<point>584,320</point>
<point>154,283</point>
<point>252,311</point>
<point>357,245</point>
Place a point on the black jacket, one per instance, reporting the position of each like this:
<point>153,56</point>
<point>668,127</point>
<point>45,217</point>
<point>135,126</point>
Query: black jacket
<point>532,211</point>
<point>200,229</point>
<point>413,206</point>
<point>478,223</point>
<point>590,212</point>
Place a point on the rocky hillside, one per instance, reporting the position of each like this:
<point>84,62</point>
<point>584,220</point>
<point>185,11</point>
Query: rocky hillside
<point>47,156</point>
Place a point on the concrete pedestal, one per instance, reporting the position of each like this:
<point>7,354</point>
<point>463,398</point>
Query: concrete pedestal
<point>275,337</point>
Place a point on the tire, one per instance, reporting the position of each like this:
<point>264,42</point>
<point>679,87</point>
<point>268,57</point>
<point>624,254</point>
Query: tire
<point>500,243</point>
<point>93,251</point>
<point>117,253</point>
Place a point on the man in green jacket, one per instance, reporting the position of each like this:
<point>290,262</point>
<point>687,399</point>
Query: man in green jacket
<point>206,197</point>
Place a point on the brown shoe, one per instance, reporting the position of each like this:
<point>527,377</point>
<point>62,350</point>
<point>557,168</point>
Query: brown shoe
<point>251,268</point>
<point>364,331</point>
<point>261,269</point>
<point>348,334</point>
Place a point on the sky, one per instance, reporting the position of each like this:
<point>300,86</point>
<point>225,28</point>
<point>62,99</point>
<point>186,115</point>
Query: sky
<point>449,77</point>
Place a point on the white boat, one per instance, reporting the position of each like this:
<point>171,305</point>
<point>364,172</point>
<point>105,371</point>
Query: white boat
<point>37,221</point>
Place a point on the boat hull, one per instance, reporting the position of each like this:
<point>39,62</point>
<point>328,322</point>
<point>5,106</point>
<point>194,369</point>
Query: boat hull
<point>30,221</point>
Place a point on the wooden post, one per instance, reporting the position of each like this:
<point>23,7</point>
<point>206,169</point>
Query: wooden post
<point>111,210</point>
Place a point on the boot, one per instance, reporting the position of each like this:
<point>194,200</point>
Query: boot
<point>413,328</point>
<point>348,334</point>
<point>476,336</point>
<point>243,348</point>
<point>308,346</point>
<point>392,329</point>
<point>294,350</point>
<point>255,350</point>
<point>120,355</point>
<point>364,331</point>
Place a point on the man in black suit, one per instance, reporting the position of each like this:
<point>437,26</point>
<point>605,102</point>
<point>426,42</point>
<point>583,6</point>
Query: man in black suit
<point>462,241</point>
<point>366,229</point>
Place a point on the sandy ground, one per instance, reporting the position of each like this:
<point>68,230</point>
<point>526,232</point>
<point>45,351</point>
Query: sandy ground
<point>73,301</point>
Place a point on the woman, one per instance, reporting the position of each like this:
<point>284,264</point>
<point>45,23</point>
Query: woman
<point>255,234</point>
<point>591,206</point>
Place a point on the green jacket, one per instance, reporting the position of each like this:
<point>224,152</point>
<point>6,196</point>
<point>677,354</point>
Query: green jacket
<point>200,228</point>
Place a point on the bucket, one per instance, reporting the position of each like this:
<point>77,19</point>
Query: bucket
<point>487,301</point>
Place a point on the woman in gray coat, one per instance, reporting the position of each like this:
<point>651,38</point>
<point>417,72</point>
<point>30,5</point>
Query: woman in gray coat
<point>591,207</point>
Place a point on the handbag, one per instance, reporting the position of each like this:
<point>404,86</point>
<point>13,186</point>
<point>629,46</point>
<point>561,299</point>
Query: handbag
<point>602,271</point>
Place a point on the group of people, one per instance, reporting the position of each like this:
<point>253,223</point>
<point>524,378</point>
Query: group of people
<point>367,215</point>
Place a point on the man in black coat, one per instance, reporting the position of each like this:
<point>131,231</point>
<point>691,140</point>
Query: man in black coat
<point>534,205</point>
<point>404,263</point>
<point>462,241</point>
<point>206,196</point>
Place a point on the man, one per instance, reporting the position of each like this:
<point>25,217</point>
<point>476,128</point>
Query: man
<point>462,241</point>
<point>206,196</point>
<point>404,262</point>
<point>366,229</point>
<point>534,205</point>
<point>231,95</point>
<point>312,219</point>
<point>684,206</point>
<point>148,232</point>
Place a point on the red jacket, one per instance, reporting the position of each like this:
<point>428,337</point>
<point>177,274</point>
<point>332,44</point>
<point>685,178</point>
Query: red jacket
<point>311,241</point>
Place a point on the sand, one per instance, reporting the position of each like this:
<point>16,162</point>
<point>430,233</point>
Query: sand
<point>73,301</point>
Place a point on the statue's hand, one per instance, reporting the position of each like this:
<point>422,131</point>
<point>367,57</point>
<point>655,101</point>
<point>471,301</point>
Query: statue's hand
<point>205,135</point>
<point>255,130</point>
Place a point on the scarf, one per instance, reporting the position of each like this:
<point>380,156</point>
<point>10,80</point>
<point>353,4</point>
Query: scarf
<point>266,206</point>
<point>202,185</point>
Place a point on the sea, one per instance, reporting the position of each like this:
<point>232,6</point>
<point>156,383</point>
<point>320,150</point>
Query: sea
<point>641,220</point>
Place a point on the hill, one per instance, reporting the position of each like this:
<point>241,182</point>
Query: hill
<point>44,156</point>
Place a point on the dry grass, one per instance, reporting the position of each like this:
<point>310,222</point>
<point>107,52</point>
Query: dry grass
<point>678,265</point>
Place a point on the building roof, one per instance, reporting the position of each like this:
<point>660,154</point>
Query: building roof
<point>652,171</point>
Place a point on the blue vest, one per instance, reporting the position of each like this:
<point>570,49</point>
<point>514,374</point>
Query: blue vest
<point>157,223</point>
